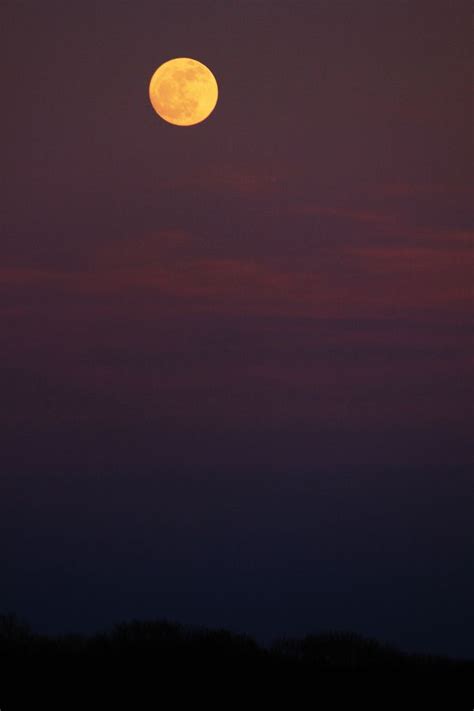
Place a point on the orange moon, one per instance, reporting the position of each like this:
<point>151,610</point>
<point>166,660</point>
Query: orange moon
<point>183,91</point>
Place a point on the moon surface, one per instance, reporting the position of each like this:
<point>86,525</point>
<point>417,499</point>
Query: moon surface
<point>183,91</point>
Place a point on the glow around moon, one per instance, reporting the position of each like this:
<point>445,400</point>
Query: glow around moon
<point>183,91</point>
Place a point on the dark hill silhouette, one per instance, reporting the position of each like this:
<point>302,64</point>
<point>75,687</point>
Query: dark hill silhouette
<point>141,657</point>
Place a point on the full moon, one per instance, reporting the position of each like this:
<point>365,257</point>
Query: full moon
<point>183,91</point>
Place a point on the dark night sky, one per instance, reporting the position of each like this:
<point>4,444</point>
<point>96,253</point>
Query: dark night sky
<point>235,371</point>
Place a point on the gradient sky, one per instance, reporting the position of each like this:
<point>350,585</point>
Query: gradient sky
<point>235,362</point>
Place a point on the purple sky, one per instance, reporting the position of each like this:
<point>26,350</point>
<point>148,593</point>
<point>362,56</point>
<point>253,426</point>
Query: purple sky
<point>236,358</point>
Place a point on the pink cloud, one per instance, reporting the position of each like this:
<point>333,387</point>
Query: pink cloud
<point>366,216</point>
<point>162,272</point>
<point>245,182</point>
<point>419,189</point>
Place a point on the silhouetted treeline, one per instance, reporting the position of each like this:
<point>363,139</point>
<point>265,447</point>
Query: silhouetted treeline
<point>341,651</point>
<point>148,653</point>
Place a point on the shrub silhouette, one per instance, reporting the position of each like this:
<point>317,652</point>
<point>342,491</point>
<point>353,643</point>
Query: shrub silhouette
<point>13,629</point>
<point>341,650</point>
